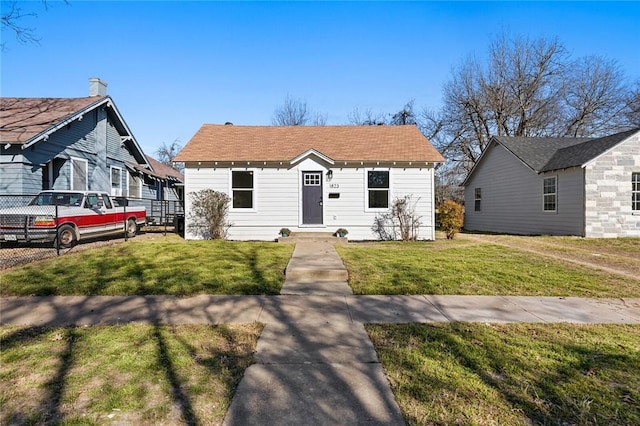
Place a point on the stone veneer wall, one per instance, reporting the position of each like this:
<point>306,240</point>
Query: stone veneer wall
<point>608,211</point>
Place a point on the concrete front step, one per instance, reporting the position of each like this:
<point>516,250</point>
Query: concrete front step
<point>307,237</point>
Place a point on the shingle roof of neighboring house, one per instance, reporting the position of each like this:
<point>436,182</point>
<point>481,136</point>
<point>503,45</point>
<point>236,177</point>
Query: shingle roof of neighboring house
<point>23,119</point>
<point>547,154</point>
<point>160,170</point>
<point>285,143</point>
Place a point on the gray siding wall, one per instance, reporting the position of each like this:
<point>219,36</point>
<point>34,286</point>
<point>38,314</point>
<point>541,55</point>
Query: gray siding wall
<point>11,174</point>
<point>608,192</point>
<point>512,198</point>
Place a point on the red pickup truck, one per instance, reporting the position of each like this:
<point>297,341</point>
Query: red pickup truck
<point>69,217</point>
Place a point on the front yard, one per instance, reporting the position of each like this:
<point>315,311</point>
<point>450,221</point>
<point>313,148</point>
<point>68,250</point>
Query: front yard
<point>472,267</point>
<point>461,266</point>
<point>164,265</point>
<point>453,373</point>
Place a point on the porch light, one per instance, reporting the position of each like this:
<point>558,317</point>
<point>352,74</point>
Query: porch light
<point>329,174</point>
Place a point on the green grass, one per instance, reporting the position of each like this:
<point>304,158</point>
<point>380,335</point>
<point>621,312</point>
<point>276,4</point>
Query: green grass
<point>512,374</point>
<point>156,267</point>
<point>132,374</point>
<point>466,267</point>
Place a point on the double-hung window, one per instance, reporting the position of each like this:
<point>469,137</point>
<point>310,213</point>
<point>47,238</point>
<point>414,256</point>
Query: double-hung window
<point>549,194</point>
<point>378,189</point>
<point>135,186</point>
<point>635,192</point>
<point>242,189</point>
<point>116,181</point>
<point>477,205</point>
<point>79,174</point>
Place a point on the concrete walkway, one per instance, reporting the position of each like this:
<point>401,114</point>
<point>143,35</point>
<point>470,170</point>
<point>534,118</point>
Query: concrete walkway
<point>316,364</point>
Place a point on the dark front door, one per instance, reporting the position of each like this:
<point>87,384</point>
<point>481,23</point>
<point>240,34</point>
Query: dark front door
<point>312,198</point>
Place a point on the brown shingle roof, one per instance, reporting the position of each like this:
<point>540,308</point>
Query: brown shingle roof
<point>284,143</point>
<point>164,170</point>
<point>21,119</point>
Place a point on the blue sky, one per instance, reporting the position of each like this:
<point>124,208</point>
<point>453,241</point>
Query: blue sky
<point>173,66</point>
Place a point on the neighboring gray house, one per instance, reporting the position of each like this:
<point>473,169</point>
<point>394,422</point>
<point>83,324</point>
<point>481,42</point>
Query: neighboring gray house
<point>588,187</point>
<point>74,144</point>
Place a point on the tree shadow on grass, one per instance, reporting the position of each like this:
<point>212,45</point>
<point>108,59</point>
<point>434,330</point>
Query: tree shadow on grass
<point>561,387</point>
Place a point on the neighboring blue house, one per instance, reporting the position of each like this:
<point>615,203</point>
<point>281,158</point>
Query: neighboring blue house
<point>76,144</point>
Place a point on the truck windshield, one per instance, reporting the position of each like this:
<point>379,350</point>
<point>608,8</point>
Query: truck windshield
<point>57,198</point>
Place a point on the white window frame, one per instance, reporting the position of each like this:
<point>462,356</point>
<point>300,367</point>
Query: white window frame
<point>554,194</point>
<point>137,179</point>
<point>253,207</point>
<point>635,192</point>
<point>86,174</point>
<point>477,199</point>
<point>366,189</point>
<point>120,186</point>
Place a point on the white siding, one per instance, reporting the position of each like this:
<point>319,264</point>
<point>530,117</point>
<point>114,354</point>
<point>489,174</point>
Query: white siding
<point>512,198</point>
<point>277,199</point>
<point>608,192</point>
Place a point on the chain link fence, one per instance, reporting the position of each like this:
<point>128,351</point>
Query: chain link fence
<point>31,232</point>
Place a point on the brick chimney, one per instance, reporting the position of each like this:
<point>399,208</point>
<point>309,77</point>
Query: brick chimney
<point>97,87</point>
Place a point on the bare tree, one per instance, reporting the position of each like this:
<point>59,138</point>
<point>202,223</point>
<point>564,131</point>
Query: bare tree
<point>167,152</point>
<point>633,106</point>
<point>13,18</point>
<point>528,87</point>
<point>595,97</point>
<point>295,112</point>
<point>365,118</point>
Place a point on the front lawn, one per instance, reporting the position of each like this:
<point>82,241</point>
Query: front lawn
<point>512,374</point>
<point>173,267</point>
<point>468,267</point>
<point>131,374</point>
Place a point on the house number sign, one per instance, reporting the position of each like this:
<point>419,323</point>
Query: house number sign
<point>334,185</point>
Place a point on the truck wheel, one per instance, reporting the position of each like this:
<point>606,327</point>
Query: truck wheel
<point>67,236</point>
<point>132,228</point>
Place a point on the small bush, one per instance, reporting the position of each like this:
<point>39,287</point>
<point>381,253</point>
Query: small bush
<point>451,218</point>
<point>208,214</point>
<point>341,232</point>
<point>285,232</point>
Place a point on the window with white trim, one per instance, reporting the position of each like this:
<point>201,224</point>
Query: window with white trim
<point>116,181</point>
<point>549,194</point>
<point>378,189</point>
<point>477,200</point>
<point>242,189</point>
<point>79,174</point>
<point>635,192</point>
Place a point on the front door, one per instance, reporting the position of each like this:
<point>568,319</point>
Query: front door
<point>312,198</point>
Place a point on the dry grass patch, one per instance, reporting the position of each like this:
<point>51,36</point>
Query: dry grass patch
<point>133,374</point>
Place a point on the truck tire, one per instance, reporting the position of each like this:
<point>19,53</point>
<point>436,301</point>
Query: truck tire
<point>132,228</point>
<point>67,236</point>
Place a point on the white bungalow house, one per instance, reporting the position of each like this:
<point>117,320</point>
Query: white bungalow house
<point>311,179</point>
<point>587,187</point>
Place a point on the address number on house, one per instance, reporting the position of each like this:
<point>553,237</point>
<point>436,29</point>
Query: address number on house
<point>334,185</point>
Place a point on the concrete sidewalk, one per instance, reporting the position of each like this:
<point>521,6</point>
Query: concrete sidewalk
<point>206,309</point>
